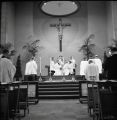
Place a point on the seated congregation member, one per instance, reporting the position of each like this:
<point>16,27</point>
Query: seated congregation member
<point>98,62</point>
<point>91,71</point>
<point>52,66</point>
<point>111,65</point>
<point>7,69</point>
<point>83,65</point>
<point>31,69</point>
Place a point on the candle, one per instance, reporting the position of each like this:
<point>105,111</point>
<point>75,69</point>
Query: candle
<point>113,21</point>
<point>50,63</point>
<point>40,64</point>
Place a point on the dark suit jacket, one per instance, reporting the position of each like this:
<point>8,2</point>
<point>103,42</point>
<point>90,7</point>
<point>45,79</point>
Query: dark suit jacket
<point>111,67</point>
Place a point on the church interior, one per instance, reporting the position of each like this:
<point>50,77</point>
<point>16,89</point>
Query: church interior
<point>52,29</point>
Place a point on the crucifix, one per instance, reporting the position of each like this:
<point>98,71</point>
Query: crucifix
<point>60,26</point>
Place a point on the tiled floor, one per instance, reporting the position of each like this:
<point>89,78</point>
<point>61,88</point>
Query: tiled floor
<point>58,110</point>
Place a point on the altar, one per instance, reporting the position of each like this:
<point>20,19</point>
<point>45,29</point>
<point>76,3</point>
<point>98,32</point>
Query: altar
<point>65,78</point>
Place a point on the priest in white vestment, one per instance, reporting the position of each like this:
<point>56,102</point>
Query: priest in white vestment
<point>31,67</point>
<point>83,65</point>
<point>52,66</point>
<point>58,69</point>
<point>71,67</point>
<point>73,61</point>
<point>66,68</point>
<point>61,62</point>
<point>91,71</point>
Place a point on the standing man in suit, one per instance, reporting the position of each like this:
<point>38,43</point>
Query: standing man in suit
<point>111,65</point>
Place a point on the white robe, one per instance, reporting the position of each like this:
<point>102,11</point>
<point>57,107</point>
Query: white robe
<point>31,68</point>
<point>98,62</point>
<point>52,65</point>
<point>66,69</point>
<point>73,62</point>
<point>57,69</point>
<point>61,62</point>
<point>92,71</point>
<point>71,67</point>
<point>7,70</point>
<point>83,65</point>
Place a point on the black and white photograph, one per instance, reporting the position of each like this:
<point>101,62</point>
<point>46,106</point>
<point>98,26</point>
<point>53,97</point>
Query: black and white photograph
<point>58,60</point>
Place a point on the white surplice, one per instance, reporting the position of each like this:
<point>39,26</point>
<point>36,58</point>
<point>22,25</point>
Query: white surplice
<point>31,68</point>
<point>52,65</point>
<point>66,69</point>
<point>57,69</point>
<point>92,70</point>
<point>7,70</point>
<point>83,65</point>
<point>98,62</point>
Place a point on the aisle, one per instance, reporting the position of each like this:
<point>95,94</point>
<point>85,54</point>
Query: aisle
<point>58,110</point>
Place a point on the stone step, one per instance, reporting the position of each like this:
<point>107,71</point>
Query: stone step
<point>59,96</point>
<point>58,85</point>
<point>58,89</point>
<point>58,92</point>
<point>58,82</point>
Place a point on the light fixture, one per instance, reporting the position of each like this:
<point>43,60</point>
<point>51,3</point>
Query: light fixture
<point>59,8</point>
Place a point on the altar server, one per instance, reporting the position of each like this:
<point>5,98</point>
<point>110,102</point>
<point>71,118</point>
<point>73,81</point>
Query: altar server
<point>66,68</point>
<point>71,66</point>
<point>61,60</point>
<point>73,62</point>
<point>91,71</point>
<point>31,67</point>
<point>52,66</point>
<point>83,65</point>
<point>58,68</point>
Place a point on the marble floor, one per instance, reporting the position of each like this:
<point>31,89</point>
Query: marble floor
<point>58,110</point>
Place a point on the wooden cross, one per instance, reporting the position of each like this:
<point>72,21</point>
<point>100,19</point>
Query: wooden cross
<point>60,26</point>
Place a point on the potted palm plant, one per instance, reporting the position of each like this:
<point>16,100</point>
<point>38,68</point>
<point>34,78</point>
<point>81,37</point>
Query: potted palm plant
<point>87,47</point>
<point>9,46</point>
<point>32,48</point>
<point>114,44</point>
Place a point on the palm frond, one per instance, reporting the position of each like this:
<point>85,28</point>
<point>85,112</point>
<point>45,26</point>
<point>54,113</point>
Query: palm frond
<point>13,52</point>
<point>114,42</point>
<point>35,42</point>
<point>32,47</point>
<point>8,45</point>
<point>87,47</point>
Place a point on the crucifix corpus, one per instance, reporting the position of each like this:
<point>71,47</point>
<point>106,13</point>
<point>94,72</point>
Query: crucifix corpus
<point>60,26</point>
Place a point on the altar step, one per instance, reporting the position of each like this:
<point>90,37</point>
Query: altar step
<point>58,90</point>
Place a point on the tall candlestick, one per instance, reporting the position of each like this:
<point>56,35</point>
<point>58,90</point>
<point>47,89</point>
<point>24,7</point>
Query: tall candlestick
<point>50,79</point>
<point>40,64</point>
<point>50,66</point>
<point>113,21</point>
